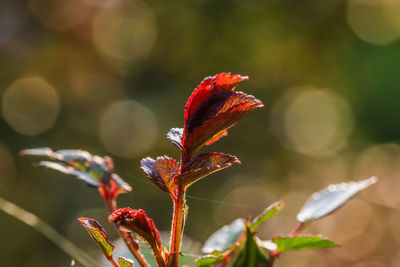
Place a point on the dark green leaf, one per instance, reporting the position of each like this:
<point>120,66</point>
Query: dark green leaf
<point>302,243</point>
<point>98,234</point>
<point>266,214</point>
<point>225,237</point>
<point>251,255</point>
<point>331,198</point>
<point>124,262</point>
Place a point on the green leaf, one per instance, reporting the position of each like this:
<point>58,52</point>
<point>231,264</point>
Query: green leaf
<point>302,243</point>
<point>270,211</point>
<point>99,235</point>
<point>331,198</point>
<point>209,260</point>
<point>225,237</point>
<point>124,262</point>
<point>251,255</point>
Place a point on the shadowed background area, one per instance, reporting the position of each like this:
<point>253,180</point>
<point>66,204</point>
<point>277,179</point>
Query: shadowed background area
<point>112,77</point>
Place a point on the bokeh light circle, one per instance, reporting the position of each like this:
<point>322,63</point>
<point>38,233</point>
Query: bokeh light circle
<point>30,105</point>
<point>311,121</point>
<point>375,21</point>
<point>128,129</point>
<point>125,32</point>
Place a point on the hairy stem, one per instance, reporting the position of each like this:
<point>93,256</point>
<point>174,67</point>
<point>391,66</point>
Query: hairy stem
<point>177,228</point>
<point>126,236</point>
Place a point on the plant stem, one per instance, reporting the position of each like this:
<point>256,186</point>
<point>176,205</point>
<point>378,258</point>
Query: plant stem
<point>111,260</point>
<point>128,238</point>
<point>298,229</point>
<point>158,255</point>
<point>177,228</point>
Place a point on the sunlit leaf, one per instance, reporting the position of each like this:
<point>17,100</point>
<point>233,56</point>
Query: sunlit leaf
<point>124,262</point>
<point>61,167</point>
<point>203,165</point>
<point>148,165</point>
<point>99,235</point>
<point>137,222</point>
<point>94,170</point>
<point>175,137</point>
<point>302,243</point>
<point>211,85</point>
<point>161,171</point>
<point>225,237</point>
<point>168,168</point>
<point>266,214</point>
<point>331,198</point>
<point>218,113</point>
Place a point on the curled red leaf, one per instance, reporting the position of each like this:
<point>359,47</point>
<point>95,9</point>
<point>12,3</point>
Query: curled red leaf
<point>161,172</point>
<point>137,221</point>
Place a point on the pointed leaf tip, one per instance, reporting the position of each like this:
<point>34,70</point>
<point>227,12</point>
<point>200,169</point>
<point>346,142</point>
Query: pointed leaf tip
<point>331,198</point>
<point>98,234</point>
<point>270,211</point>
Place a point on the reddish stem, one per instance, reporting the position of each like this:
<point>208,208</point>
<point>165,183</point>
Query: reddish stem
<point>275,253</point>
<point>127,237</point>
<point>177,228</point>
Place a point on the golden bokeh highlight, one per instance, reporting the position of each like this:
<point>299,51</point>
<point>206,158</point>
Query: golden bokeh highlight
<point>125,31</point>
<point>128,129</point>
<point>30,105</point>
<point>375,21</point>
<point>312,121</point>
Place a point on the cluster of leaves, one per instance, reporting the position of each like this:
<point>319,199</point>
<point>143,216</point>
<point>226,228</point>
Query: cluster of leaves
<point>210,111</point>
<point>236,244</point>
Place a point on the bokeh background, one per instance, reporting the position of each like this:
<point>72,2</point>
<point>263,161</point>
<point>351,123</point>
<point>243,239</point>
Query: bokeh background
<point>112,77</point>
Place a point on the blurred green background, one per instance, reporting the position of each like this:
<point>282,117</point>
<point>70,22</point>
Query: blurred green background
<point>112,77</point>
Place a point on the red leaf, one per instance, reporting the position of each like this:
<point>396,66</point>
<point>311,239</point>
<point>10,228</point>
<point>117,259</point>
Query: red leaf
<point>218,113</point>
<point>137,221</point>
<point>203,165</point>
<point>161,172</point>
<point>211,85</point>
